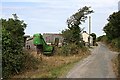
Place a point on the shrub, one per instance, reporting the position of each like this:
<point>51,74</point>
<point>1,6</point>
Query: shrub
<point>13,56</point>
<point>12,45</point>
<point>30,62</point>
<point>69,49</point>
<point>116,43</point>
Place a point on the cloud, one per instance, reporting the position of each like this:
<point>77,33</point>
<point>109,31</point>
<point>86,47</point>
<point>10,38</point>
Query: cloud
<point>102,2</point>
<point>15,8</point>
<point>51,15</point>
<point>20,0</point>
<point>98,3</point>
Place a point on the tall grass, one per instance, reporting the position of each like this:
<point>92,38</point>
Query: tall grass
<point>118,65</point>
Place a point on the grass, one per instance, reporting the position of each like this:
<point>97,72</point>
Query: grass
<point>116,60</point>
<point>53,66</point>
<point>115,65</point>
<point>118,65</point>
<point>62,70</point>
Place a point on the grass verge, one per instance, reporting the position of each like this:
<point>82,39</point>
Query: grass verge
<point>115,60</point>
<point>115,65</point>
<point>53,66</point>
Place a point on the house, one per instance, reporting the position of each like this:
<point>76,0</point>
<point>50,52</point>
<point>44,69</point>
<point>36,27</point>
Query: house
<point>85,37</point>
<point>51,38</point>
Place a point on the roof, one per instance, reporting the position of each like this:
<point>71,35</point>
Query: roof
<point>86,33</point>
<point>27,35</point>
<point>52,34</point>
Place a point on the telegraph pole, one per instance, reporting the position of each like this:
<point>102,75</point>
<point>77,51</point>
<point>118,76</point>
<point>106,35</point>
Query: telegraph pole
<point>89,25</point>
<point>89,29</point>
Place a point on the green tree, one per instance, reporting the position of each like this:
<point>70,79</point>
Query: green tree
<point>112,29</point>
<point>73,33</point>
<point>0,48</point>
<point>94,38</point>
<point>12,45</point>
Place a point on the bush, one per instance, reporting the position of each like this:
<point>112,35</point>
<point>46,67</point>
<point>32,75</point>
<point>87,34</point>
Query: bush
<point>116,43</point>
<point>19,63</point>
<point>12,45</point>
<point>69,49</point>
<point>30,62</point>
<point>13,57</point>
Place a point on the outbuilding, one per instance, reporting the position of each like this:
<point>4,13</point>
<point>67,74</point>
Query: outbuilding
<point>86,38</point>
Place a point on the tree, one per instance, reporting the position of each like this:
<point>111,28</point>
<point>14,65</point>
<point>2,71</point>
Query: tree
<point>12,45</point>
<point>112,29</point>
<point>73,33</point>
<point>94,38</point>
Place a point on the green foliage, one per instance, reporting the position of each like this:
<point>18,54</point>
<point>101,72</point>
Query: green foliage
<point>73,33</point>
<point>112,29</point>
<point>93,35</point>
<point>99,38</point>
<point>94,38</point>
<point>72,36</point>
<point>69,49</point>
<point>12,45</point>
<point>0,35</point>
<point>116,42</point>
<point>118,65</point>
<point>79,17</point>
<point>103,38</point>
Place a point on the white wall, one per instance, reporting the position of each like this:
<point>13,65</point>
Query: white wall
<point>85,38</point>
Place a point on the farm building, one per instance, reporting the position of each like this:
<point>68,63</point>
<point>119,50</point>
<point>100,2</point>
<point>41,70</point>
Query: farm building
<point>50,38</point>
<point>85,37</point>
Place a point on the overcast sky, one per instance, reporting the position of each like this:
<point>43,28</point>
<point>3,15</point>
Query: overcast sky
<point>49,16</point>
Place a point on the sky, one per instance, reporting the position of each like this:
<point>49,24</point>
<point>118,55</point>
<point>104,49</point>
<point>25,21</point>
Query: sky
<point>50,16</point>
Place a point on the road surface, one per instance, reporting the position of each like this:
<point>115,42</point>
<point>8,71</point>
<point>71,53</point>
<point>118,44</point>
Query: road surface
<point>97,65</point>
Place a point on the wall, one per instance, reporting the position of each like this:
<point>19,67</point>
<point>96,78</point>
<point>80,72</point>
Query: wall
<point>85,37</point>
<point>50,38</point>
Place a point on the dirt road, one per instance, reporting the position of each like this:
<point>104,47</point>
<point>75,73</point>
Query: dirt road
<point>97,65</point>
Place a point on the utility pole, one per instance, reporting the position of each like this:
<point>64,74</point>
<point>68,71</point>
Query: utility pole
<point>89,25</point>
<point>89,29</point>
